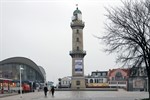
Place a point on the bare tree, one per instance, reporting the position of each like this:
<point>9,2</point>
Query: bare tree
<point>128,33</point>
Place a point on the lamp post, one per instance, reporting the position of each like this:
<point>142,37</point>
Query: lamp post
<point>20,82</point>
<point>147,83</point>
<point>149,66</point>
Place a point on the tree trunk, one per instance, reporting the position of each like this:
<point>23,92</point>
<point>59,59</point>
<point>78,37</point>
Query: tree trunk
<point>148,76</point>
<point>149,85</point>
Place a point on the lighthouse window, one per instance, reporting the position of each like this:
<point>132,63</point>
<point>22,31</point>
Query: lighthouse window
<point>77,82</point>
<point>77,39</point>
<point>77,48</point>
<point>77,31</point>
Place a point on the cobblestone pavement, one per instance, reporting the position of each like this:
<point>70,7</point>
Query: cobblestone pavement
<point>80,95</point>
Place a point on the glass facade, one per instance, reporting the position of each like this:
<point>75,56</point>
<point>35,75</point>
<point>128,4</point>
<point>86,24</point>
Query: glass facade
<point>12,71</point>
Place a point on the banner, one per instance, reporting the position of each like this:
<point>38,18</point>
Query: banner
<point>78,66</point>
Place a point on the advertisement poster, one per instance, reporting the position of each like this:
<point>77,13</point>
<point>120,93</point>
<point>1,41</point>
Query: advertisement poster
<point>138,83</point>
<point>78,66</point>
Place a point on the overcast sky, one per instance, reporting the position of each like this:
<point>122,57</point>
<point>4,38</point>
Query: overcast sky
<point>40,30</point>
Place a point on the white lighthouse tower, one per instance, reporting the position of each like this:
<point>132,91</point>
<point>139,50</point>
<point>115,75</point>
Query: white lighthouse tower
<point>77,53</point>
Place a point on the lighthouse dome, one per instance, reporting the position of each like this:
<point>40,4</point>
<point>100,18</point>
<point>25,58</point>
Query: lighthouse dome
<point>77,11</point>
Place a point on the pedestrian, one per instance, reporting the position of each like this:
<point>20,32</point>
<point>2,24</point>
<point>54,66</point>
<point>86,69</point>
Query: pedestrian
<point>52,90</point>
<point>45,90</point>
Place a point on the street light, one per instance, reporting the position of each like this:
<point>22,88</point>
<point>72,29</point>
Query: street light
<point>20,68</point>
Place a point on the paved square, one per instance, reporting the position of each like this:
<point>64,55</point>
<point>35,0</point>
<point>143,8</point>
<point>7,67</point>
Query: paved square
<point>81,95</point>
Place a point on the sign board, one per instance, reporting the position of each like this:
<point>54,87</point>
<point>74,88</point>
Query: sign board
<point>138,83</point>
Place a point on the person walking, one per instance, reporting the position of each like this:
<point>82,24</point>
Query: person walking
<point>45,90</point>
<point>52,90</point>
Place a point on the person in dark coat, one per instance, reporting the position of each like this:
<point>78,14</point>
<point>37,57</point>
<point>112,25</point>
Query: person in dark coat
<point>52,90</point>
<point>45,90</point>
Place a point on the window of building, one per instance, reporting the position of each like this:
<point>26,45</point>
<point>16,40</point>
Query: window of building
<point>99,74</point>
<point>124,77</point>
<point>77,82</point>
<point>96,80</point>
<point>113,78</point>
<point>104,74</point>
<point>119,76</point>
<point>100,80</point>
<point>0,75</point>
<point>77,48</point>
<point>93,74</point>
<point>77,31</point>
<point>91,80</point>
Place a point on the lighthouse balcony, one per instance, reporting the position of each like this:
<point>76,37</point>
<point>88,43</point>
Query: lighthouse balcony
<point>77,53</point>
<point>77,24</point>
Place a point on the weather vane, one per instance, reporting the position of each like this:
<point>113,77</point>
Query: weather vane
<point>77,5</point>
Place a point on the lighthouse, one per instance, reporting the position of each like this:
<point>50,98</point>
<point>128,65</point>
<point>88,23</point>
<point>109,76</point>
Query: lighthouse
<point>77,54</point>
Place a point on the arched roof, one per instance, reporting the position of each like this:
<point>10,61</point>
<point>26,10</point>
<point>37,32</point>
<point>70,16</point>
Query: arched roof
<point>23,60</point>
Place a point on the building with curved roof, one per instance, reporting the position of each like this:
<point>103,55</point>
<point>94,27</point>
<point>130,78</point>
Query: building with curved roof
<point>10,69</point>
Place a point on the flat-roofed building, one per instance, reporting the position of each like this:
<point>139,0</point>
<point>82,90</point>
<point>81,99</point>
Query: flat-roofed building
<point>97,79</point>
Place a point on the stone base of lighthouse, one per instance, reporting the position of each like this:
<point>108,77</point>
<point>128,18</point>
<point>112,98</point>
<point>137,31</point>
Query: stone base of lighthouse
<point>78,83</point>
